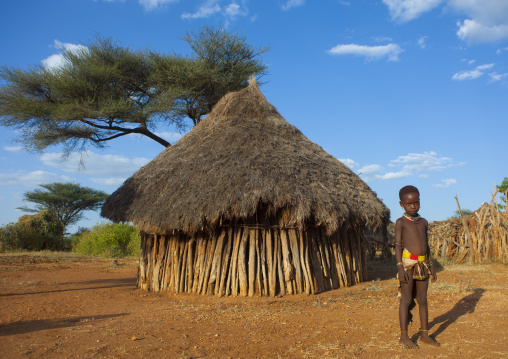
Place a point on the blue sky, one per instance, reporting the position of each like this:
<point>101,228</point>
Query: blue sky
<point>401,91</point>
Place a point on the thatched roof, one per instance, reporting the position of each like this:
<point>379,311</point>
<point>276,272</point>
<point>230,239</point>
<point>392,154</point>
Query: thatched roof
<point>241,157</point>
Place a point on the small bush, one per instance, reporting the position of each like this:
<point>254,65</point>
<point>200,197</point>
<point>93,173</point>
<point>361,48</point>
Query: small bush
<point>41,231</point>
<point>8,237</point>
<point>109,240</point>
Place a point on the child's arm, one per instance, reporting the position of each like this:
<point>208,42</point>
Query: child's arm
<point>432,269</point>
<point>398,251</point>
<point>431,266</point>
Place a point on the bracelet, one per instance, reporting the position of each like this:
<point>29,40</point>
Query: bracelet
<point>400,263</point>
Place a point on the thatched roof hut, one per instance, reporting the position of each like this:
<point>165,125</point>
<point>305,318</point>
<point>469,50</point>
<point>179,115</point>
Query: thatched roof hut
<point>244,177</point>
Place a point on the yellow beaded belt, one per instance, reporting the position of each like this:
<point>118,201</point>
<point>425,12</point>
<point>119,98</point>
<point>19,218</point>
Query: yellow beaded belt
<point>408,255</point>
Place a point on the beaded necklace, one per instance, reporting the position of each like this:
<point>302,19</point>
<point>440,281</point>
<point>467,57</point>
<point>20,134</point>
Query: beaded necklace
<point>415,220</point>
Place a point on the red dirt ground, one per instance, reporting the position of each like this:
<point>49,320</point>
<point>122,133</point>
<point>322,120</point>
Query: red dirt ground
<point>63,306</point>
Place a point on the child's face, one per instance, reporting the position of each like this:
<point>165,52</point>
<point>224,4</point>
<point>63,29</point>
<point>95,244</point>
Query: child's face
<point>411,203</point>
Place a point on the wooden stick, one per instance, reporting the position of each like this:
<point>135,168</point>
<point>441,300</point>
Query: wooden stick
<point>225,263</point>
<point>252,262</point>
<point>334,278</point>
<point>190,265</point>
<point>278,262</point>
<point>242,265</point>
<point>286,262</point>
<point>209,261</point>
<point>270,249</point>
<point>304,260</point>
<point>264,275</point>
<point>466,231</point>
<point>216,259</point>
<point>142,262</point>
<point>316,266</point>
<point>234,267</point>
<point>258,289</point>
<point>293,241</point>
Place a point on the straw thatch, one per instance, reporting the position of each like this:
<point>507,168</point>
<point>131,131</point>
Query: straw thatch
<point>242,155</point>
<point>239,172</point>
<point>481,237</point>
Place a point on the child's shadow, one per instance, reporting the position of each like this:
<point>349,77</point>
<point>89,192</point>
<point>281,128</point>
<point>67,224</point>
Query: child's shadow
<point>464,306</point>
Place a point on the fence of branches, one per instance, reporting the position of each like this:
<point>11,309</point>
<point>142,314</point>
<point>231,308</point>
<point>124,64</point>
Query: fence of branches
<point>481,237</point>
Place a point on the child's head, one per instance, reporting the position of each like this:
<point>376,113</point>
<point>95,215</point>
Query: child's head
<point>408,189</point>
<point>410,199</point>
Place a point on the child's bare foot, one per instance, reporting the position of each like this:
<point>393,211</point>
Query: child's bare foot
<point>408,343</point>
<point>425,338</point>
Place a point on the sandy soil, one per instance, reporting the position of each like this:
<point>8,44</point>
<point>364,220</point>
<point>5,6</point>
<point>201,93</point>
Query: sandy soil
<point>65,306</point>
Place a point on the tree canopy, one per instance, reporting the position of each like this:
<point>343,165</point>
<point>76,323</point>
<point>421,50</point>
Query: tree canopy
<point>67,201</point>
<point>465,213</point>
<point>104,90</point>
<point>503,189</point>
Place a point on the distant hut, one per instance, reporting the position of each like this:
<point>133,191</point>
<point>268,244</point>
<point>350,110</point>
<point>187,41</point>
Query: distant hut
<point>245,204</point>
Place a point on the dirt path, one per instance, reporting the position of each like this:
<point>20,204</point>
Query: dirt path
<point>70,307</point>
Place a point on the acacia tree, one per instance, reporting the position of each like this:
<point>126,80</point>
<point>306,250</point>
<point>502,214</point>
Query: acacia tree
<point>503,189</point>
<point>105,91</point>
<point>457,214</point>
<point>67,201</point>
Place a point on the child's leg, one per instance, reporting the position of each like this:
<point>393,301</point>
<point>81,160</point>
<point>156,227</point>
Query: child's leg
<point>406,290</point>
<point>422,287</point>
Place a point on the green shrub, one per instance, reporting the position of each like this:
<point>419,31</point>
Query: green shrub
<point>8,237</point>
<point>109,240</point>
<point>36,232</point>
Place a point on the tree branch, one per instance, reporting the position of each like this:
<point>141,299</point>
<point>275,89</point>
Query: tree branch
<point>125,131</point>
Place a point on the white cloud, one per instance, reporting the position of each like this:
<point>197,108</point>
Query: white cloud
<point>154,4</point>
<point>472,74</point>
<point>370,170</point>
<point>394,175</point>
<point>421,42</point>
<point>233,10</point>
<point>13,148</point>
<point>348,162</point>
<point>473,31</point>
<point>212,7</point>
<point>34,178</point>
<point>485,67</point>
<point>413,164</point>
<point>405,10</point>
<point>499,51</point>
<point>382,39</point>
<point>204,11</point>
<point>448,182</point>
<point>494,76</point>
<point>488,12</point>
<point>390,51</point>
<point>292,3</point>
<point>485,20</point>
<point>57,60</point>
<point>418,162</point>
<point>110,182</point>
<point>171,137</point>
<point>105,168</point>
<point>467,75</point>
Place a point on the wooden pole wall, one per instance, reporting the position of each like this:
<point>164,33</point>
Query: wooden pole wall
<point>248,261</point>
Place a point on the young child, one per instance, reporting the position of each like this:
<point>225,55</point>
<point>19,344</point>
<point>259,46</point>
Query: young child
<point>413,264</point>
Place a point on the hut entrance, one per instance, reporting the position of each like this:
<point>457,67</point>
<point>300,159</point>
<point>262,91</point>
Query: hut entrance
<point>252,260</point>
